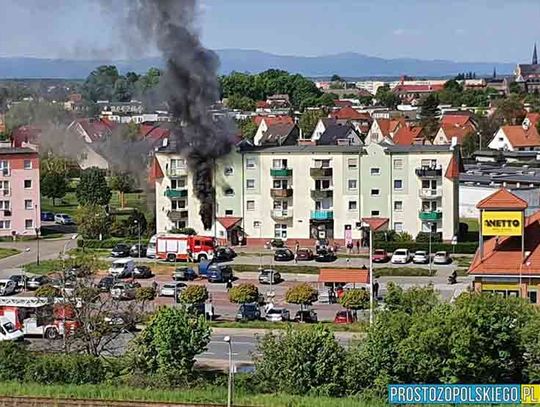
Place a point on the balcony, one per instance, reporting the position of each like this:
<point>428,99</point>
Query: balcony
<point>322,215</point>
<point>176,193</point>
<point>281,193</point>
<point>428,172</point>
<point>321,193</point>
<point>430,215</point>
<point>281,214</point>
<point>320,172</point>
<point>281,172</point>
<point>176,172</point>
<point>175,215</point>
<point>430,193</point>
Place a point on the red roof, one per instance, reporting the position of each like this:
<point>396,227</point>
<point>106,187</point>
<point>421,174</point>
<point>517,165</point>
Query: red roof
<point>358,276</point>
<point>502,199</point>
<point>262,104</point>
<point>533,118</point>
<point>503,256</point>
<point>388,126</point>
<point>229,222</point>
<point>153,133</point>
<point>25,134</point>
<point>155,171</point>
<point>376,223</point>
<point>457,130</point>
<point>348,113</point>
<point>96,129</point>
<point>455,166</point>
<point>270,120</point>
<point>520,136</point>
<point>403,88</point>
<point>343,103</point>
<point>455,120</point>
<point>408,135</point>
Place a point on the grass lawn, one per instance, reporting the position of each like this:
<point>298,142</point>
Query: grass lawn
<point>197,395</point>
<point>462,261</point>
<point>55,265</point>
<point>356,327</point>
<point>403,271</point>
<point>471,222</point>
<point>8,252</point>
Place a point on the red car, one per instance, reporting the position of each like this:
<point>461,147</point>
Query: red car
<point>344,317</point>
<point>304,254</point>
<point>380,256</point>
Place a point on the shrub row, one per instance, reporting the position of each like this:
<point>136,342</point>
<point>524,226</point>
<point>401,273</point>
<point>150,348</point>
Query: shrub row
<point>461,248</point>
<point>107,243</point>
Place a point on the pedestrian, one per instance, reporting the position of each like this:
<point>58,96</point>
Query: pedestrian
<point>296,257</point>
<point>375,289</point>
<point>358,246</point>
<point>155,285</point>
<point>229,284</point>
<point>296,246</point>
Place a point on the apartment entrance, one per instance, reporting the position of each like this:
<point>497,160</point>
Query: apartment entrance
<point>321,229</point>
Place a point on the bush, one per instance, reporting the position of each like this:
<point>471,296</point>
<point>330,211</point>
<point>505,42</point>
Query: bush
<point>243,293</point>
<point>14,359</point>
<point>301,294</point>
<point>48,291</point>
<point>106,243</point>
<point>461,248</point>
<point>278,243</point>
<point>423,237</point>
<point>185,231</point>
<point>66,369</point>
<point>193,294</point>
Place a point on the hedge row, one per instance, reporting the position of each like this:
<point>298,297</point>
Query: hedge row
<point>461,248</point>
<point>107,243</point>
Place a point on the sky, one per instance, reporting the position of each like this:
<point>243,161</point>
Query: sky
<point>459,30</point>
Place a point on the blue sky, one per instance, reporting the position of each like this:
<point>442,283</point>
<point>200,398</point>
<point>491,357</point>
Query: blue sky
<point>473,30</point>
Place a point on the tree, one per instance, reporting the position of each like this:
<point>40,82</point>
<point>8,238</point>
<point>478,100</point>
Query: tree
<point>511,110</point>
<point>123,183</point>
<point>53,185</point>
<point>355,299</point>
<point>240,102</point>
<point>300,361</point>
<point>144,295</point>
<point>309,120</point>
<point>48,291</point>
<point>302,294</point>
<point>244,293</point>
<point>336,78</point>
<point>92,221</point>
<point>429,115</point>
<point>414,300</point>
<point>193,294</point>
<point>470,144</point>
<point>93,188</point>
<point>35,112</point>
<point>386,97</point>
<point>248,128</point>
<point>100,84</point>
<point>136,223</point>
<point>169,343</point>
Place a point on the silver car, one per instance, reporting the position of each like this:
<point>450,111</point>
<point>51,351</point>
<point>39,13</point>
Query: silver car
<point>277,315</point>
<point>7,287</point>
<point>123,291</point>
<point>170,289</point>
<point>442,258</point>
<point>420,257</point>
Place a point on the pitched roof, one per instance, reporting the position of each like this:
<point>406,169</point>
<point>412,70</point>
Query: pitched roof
<point>457,130</point>
<point>348,113</point>
<point>276,133</point>
<point>503,256</point>
<point>533,118</point>
<point>522,137</point>
<point>455,119</point>
<point>404,88</point>
<point>270,120</point>
<point>376,223</point>
<point>455,166</point>
<point>155,171</point>
<point>25,134</point>
<point>153,133</point>
<point>333,133</point>
<point>502,199</point>
<point>388,126</point>
<point>359,276</point>
<point>96,129</point>
<point>343,103</point>
<point>409,135</point>
<point>228,222</point>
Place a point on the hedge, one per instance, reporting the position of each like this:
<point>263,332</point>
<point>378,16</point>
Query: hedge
<point>65,369</point>
<point>461,248</point>
<point>107,243</point>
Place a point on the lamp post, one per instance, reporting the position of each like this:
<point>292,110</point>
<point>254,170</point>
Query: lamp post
<point>370,275</point>
<point>136,221</point>
<point>429,248</point>
<point>64,344</point>
<point>27,250</point>
<point>227,339</point>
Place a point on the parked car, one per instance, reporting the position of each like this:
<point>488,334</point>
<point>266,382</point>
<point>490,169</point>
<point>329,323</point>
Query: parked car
<point>63,219</point>
<point>142,272</point>
<point>223,253</point>
<point>122,268</point>
<point>184,274</point>
<point>106,283</point>
<point>19,279</point>
<point>269,276</point>
<point>326,296</point>
<point>7,287</point>
<point>135,250</point>
<point>47,217</point>
<point>170,289</point>
<point>420,257</point>
<point>283,255</point>
<point>278,315</point>
<point>304,254</point>
<point>120,250</point>
<point>307,316</point>
<point>380,256</point>
<point>325,256</point>
<point>77,271</point>
<point>442,258</point>
<point>248,312</point>
<point>401,256</point>
<point>344,317</point>
<point>33,283</point>
<point>219,273</point>
<point>124,291</point>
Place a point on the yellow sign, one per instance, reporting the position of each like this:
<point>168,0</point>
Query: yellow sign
<point>530,393</point>
<point>496,223</point>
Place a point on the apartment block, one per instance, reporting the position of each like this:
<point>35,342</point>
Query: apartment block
<point>20,211</point>
<point>310,192</point>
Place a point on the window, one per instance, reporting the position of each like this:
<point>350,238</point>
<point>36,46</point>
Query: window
<point>250,205</point>
<point>4,205</point>
<point>398,164</point>
<point>429,163</point>
<point>352,205</point>
<point>178,163</point>
<point>375,213</point>
<point>375,192</point>
<point>398,185</point>
<point>178,204</point>
<point>180,224</point>
<point>375,171</point>
<point>352,163</point>
<point>278,163</point>
<point>27,183</point>
<point>5,224</point>
<point>250,163</point>
<point>229,192</point>
<point>398,227</point>
<point>28,204</point>
<point>229,212</point>
<point>281,205</point>
<point>398,206</point>
<point>250,184</point>
<point>532,296</point>
<point>28,223</point>
<point>256,223</point>
<point>27,164</point>
<point>321,164</point>
<point>280,231</point>
<point>4,167</point>
<point>352,184</point>
<point>228,171</point>
<point>321,184</point>
<point>280,184</point>
<point>178,183</point>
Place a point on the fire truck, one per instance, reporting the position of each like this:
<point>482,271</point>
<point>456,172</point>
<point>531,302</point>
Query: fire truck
<point>173,247</point>
<point>34,316</point>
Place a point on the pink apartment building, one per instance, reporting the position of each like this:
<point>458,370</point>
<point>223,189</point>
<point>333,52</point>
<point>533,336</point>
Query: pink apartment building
<point>20,210</point>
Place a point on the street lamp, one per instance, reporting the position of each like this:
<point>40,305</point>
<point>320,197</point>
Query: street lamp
<point>37,235</point>
<point>27,250</point>
<point>64,343</point>
<point>430,225</point>
<point>136,221</point>
<point>227,339</point>
<point>370,272</point>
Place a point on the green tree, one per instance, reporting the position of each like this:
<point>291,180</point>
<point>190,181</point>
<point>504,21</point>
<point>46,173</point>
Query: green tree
<point>136,222</point>
<point>14,359</point>
<point>300,361</point>
<point>470,144</point>
<point>386,97</point>
<point>355,299</point>
<point>302,294</point>
<point>414,300</point>
<point>336,78</point>
<point>169,343</point>
<point>53,185</point>
<point>144,295</point>
<point>193,294</point>
<point>366,100</point>
<point>511,110</point>
<point>100,84</point>
<point>248,128</point>
<point>48,291</point>
<point>243,293</point>
<point>93,188</point>
<point>35,112</point>
<point>309,120</point>
<point>429,115</point>
<point>240,102</point>
<point>124,184</point>
<point>122,90</point>
<point>92,221</point>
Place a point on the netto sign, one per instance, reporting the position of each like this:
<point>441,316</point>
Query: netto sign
<point>502,223</point>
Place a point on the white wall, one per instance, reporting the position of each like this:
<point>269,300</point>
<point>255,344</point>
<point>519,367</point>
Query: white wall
<point>470,195</point>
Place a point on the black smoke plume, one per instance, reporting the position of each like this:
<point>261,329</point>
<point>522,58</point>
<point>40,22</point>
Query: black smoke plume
<point>190,86</point>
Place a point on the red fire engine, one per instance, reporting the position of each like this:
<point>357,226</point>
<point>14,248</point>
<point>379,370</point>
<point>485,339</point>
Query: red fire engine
<point>173,247</point>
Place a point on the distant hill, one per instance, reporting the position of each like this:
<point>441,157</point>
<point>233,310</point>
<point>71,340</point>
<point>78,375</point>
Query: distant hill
<point>344,64</point>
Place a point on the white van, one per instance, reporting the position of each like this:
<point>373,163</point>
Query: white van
<point>122,268</point>
<point>151,248</point>
<point>8,331</point>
